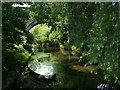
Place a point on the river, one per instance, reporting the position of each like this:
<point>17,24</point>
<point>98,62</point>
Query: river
<point>69,73</point>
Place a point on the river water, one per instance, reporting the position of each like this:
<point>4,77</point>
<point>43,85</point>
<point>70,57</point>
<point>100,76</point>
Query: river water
<point>68,73</point>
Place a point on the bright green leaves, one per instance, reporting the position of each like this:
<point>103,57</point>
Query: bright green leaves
<point>55,36</point>
<point>40,32</point>
<point>55,15</point>
<point>43,34</point>
<point>19,54</point>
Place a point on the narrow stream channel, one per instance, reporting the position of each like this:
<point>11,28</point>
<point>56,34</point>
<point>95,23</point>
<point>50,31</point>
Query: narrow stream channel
<point>68,74</point>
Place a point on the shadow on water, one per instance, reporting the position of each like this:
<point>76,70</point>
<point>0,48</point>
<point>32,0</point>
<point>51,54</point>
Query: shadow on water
<point>68,74</point>
<point>70,78</point>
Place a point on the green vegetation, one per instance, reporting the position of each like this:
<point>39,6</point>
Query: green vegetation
<point>88,31</point>
<point>40,33</point>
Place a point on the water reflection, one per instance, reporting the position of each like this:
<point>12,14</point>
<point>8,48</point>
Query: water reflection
<point>43,68</point>
<point>105,87</point>
<point>79,68</point>
<point>68,73</point>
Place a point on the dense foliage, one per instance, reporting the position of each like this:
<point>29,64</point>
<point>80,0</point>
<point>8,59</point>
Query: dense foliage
<point>13,53</point>
<point>83,27</point>
<point>13,26</point>
<point>104,40</point>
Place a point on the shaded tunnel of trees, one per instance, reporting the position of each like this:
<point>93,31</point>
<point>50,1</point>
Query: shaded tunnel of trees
<point>90,29</point>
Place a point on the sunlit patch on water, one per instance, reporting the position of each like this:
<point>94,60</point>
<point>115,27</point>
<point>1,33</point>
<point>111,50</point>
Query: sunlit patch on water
<point>105,87</point>
<point>82,68</point>
<point>43,68</point>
